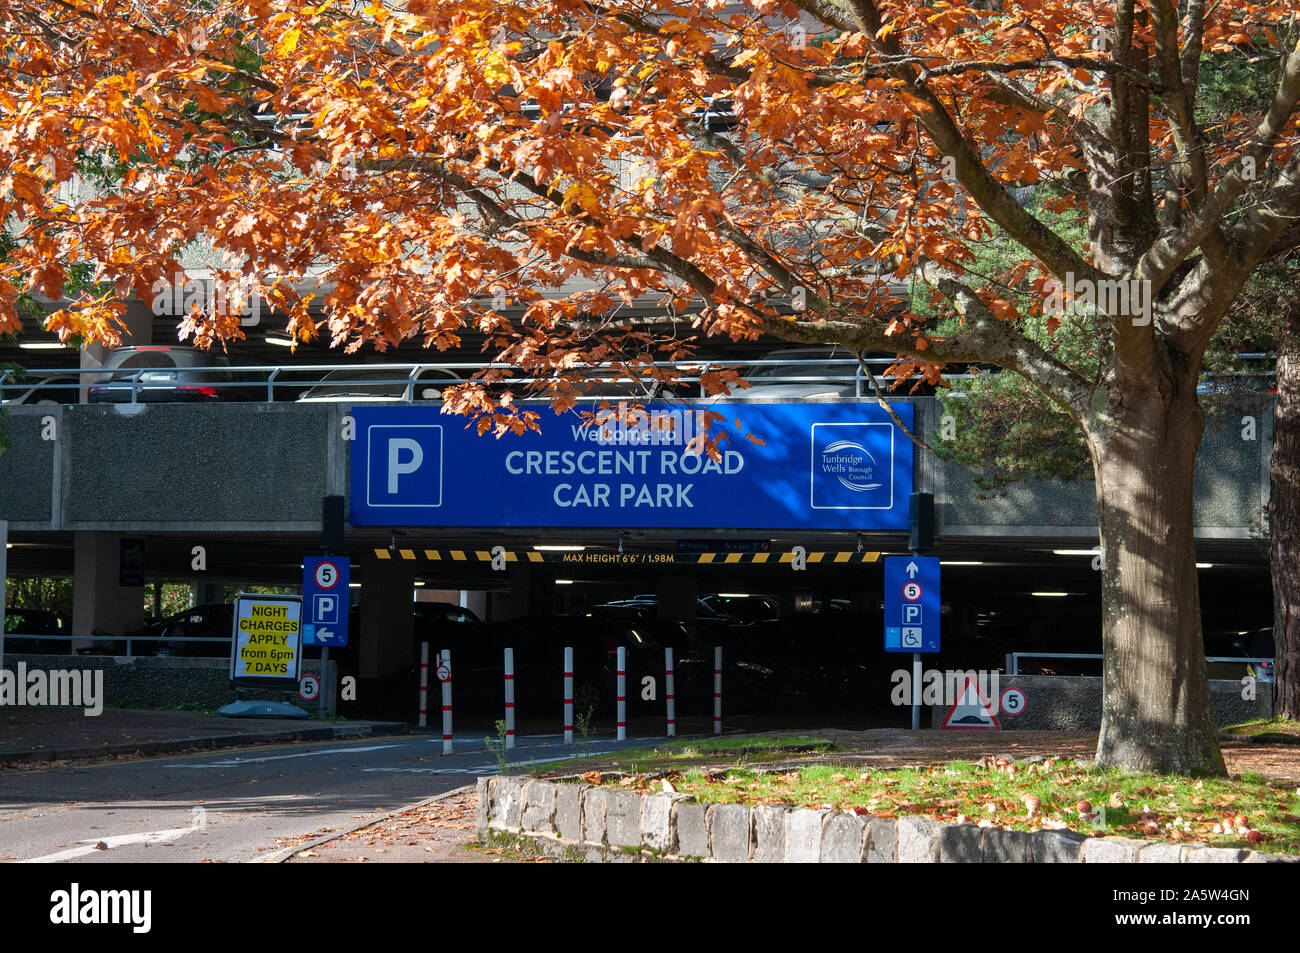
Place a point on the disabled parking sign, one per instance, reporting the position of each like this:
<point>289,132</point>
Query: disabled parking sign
<point>325,601</point>
<point>912,604</point>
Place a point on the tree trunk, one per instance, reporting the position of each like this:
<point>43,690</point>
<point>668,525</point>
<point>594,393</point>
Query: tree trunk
<point>1156,712</point>
<point>1284,530</point>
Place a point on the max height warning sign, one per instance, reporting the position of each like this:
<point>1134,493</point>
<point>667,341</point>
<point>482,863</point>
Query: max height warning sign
<point>268,637</point>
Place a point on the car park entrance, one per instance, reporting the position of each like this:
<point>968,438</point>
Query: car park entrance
<point>232,500</point>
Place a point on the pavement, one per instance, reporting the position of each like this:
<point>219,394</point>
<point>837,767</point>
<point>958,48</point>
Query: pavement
<point>39,734</point>
<point>440,829</point>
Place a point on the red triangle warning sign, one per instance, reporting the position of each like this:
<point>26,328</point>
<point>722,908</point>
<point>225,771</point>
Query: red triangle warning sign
<point>970,709</point>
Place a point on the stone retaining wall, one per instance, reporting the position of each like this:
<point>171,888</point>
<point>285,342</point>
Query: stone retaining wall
<point>148,682</point>
<point>1073,703</point>
<point>585,822</point>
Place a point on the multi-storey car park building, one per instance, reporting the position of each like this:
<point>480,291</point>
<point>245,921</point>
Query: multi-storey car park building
<point>435,511</point>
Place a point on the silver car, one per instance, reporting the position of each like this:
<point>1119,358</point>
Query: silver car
<point>153,374</point>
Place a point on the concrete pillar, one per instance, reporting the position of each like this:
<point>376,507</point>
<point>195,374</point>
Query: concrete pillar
<point>541,591</point>
<point>532,590</point>
<point>677,598</point>
<point>99,600</point>
<point>476,601</point>
<point>387,632</point>
<point>208,592</point>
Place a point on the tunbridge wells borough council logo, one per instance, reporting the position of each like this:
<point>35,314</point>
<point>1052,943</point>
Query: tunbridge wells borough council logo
<point>851,466</point>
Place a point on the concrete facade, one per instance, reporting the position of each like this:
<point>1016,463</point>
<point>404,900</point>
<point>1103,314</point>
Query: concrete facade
<point>256,467</point>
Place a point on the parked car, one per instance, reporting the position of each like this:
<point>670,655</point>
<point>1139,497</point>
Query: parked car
<point>605,384</point>
<point>168,637</point>
<point>807,372</point>
<point>23,628</point>
<point>51,389</point>
<point>745,609</point>
<point>376,383</point>
<point>150,374</point>
<point>1247,645</point>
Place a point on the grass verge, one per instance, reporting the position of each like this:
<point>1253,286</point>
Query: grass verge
<point>1041,795</point>
<point>1279,730</point>
<point>677,755</point>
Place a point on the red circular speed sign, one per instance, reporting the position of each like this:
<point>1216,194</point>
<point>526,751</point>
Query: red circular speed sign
<point>912,591</point>
<point>309,688</point>
<point>327,574</point>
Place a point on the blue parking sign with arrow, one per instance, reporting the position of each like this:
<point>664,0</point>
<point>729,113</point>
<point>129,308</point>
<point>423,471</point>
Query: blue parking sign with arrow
<point>912,603</point>
<point>325,600</point>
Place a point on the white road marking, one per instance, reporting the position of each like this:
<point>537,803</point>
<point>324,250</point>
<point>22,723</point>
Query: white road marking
<point>118,840</point>
<point>489,768</point>
<point>235,762</point>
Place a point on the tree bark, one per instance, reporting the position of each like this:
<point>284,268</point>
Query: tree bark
<point>1284,529</point>
<point>1156,713</point>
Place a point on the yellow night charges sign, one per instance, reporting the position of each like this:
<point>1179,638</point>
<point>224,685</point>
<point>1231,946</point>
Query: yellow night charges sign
<point>268,640</point>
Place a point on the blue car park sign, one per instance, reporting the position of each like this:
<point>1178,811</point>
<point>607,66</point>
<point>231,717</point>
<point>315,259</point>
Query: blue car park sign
<point>325,601</point>
<point>912,603</point>
<point>811,466</point>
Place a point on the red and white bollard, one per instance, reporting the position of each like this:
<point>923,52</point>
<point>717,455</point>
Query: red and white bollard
<point>446,701</point>
<point>717,689</point>
<point>568,696</point>
<point>424,685</point>
<point>668,693</point>
<point>622,693</point>
<point>510,698</point>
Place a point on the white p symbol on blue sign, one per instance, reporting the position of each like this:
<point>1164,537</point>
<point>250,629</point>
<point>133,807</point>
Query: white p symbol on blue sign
<point>326,609</point>
<point>911,614</point>
<point>396,467</point>
<point>404,465</point>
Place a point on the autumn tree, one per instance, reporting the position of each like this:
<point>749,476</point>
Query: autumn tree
<point>766,168</point>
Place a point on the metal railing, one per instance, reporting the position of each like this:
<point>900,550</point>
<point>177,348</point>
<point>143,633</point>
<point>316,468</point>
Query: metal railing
<point>8,637</point>
<point>301,378</point>
<point>1015,657</point>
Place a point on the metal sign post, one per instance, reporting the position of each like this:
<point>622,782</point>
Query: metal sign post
<point>568,695</point>
<point>912,614</point>
<point>444,676</point>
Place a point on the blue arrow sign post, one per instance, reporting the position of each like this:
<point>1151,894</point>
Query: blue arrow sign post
<point>912,613</point>
<point>325,601</point>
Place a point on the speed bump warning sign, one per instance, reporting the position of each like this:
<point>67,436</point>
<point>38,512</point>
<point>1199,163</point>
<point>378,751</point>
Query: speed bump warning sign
<point>267,638</point>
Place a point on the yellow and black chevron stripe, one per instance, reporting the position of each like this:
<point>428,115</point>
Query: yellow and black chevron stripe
<point>625,559</point>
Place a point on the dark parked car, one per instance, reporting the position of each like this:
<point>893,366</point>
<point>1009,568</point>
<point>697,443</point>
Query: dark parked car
<point>51,389</point>
<point>20,623</point>
<point>168,637</point>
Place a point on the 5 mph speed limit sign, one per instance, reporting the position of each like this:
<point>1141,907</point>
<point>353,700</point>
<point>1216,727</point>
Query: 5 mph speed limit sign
<point>1013,701</point>
<point>309,688</point>
<point>327,575</point>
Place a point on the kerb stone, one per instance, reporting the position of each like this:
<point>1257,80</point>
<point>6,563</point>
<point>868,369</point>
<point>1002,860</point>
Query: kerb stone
<point>918,840</point>
<point>843,839</point>
<point>729,833</point>
<point>769,833</point>
<point>803,836</point>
